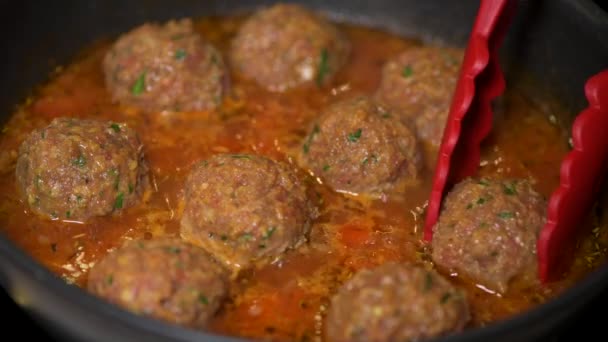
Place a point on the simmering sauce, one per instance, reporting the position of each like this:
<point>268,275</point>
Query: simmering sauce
<point>286,299</point>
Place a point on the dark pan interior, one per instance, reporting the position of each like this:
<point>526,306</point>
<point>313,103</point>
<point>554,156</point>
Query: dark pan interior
<point>560,42</point>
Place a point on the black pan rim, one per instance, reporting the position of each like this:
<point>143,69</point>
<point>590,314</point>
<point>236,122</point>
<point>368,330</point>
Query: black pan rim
<point>577,295</point>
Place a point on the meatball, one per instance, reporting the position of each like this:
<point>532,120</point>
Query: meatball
<point>75,169</point>
<point>358,147</point>
<point>166,279</point>
<point>396,302</point>
<point>286,45</point>
<point>488,231</point>
<point>242,208</point>
<point>168,67</point>
<point>420,82</point>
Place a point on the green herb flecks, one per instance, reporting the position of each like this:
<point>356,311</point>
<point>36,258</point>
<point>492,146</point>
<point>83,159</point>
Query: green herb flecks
<point>240,156</point>
<point>354,136</point>
<point>509,189</point>
<point>140,85</point>
<point>246,237</point>
<point>311,136</point>
<point>386,115</point>
<point>130,188</point>
<point>483,182</point>
<point>202,299</point>
<point>268,233</point>
<point>38,182</point>
<point>68,214</point>
<point>326,167</point>
<point>180,54</point>
<point>80,161</point>
<point>323,67</point>
<point>506,215</point>
<point>407,71</point>
<point>115,127</point>
<point>480,201</point>
<point>119,201</point>
<point>110,279</point>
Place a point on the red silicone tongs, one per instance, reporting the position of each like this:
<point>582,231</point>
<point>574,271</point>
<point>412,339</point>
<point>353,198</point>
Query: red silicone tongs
<point>581,174</point>
<point>470,121</point>
<point>470,118</point>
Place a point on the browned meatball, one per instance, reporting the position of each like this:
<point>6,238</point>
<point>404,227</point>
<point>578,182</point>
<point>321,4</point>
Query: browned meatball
<point>488,231</point>
<point>166,67</point>
<point>242,208</point>
<point>166,279</point>
<point>75,169</point>
<point>286,45</point>
<point>396,302</point>
<point>420,83</point>
<point>356,146</point>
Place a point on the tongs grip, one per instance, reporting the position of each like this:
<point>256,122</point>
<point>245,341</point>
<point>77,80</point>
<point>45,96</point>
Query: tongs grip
<point>581,174</point>
<point>470,119</point>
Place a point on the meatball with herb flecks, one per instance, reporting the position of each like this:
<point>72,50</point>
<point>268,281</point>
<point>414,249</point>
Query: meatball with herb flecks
<point>420,83</point>
<point>244,208</point>
<point>488,230</point>
<point>74,169</point>
<point>287,45</point>
<point>395,302</point>
<point>357,146</point>
<point>165,68</point>
<point>166,279</point>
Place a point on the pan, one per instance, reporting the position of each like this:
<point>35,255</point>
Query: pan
<point>560,42</point>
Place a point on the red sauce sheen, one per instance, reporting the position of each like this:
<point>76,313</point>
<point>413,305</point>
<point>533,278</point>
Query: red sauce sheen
<point>284,300</point>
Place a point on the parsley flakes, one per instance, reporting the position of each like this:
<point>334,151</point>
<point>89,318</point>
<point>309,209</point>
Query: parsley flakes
<point>80,161</point>
<point>506,215</point>
<point>140,85</point>
<point>119,201</point>
<point>354,136</point>
<point>407,71</point>
<point>180,54</point>
<point>311,136</point>
<point>323,67</point>
<point>202,299</point>
<point>509,189</point>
